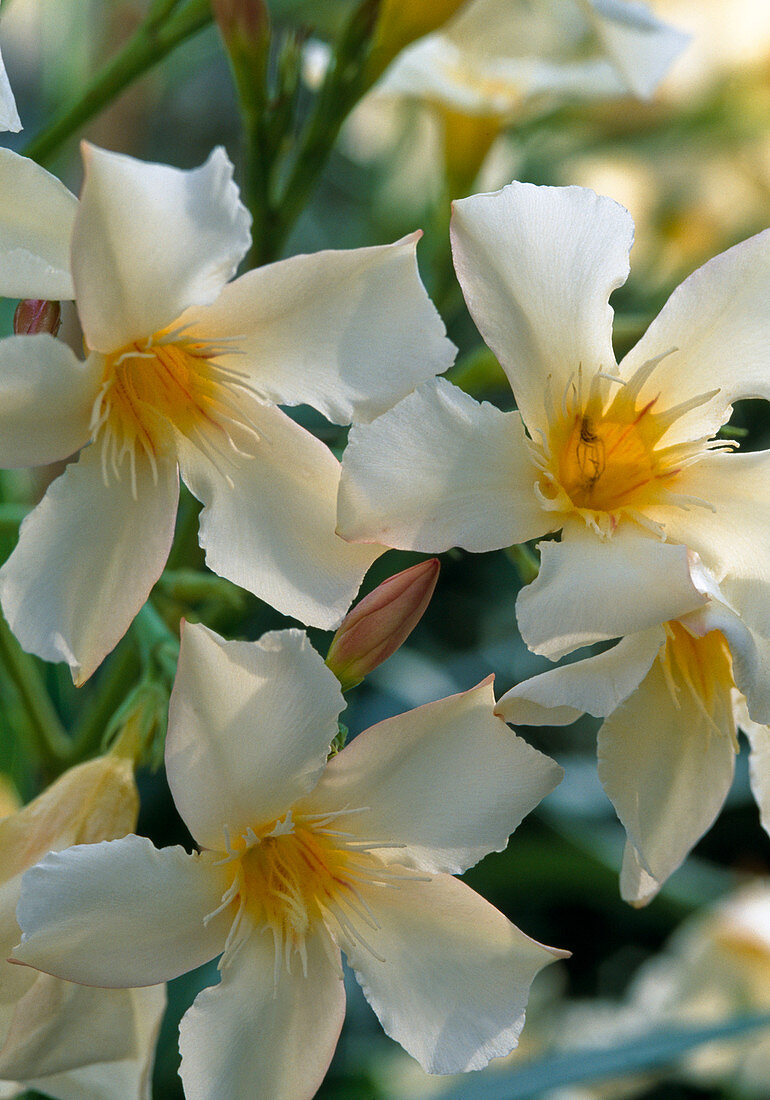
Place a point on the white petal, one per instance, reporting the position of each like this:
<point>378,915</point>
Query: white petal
<point>46,398</point>
<point>590,589</point>
<point>449,780</point>
<point>250,724</point>
<point>37,214</point>
<point>128,1079</point>
<point>759,765</point>
<point>86,560</point>
<point>640,46</point>
<point>248,1033</point>
<point>666,770</point>
<point>636,886</point>
<point>730,532</point>
<point>150,240</point>
<point>537,266</point>
<point>453,976</point>
<point>9,116</point>
<point>121,913</point>
<point>348,332</point>
<point>717,329</point>
<point>597,685</point>
<point>272,530</point>
<point>440,470</point>
<point>59,1026</point>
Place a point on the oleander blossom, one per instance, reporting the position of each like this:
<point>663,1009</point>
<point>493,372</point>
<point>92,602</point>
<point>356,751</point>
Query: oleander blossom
<point>183,373</point>
<point>621,459</point>
<point>672,698</point>
<point>300,858</point>
<point>62,1039</point>
<point>494,54</point>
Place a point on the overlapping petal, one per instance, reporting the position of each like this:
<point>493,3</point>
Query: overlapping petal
<point>449,780</point>
<point>86,560</point>
<point>590,589</point>
<point>256,1029</point>
<point>597,685</point>
<point>640,46</point>
<point>36,221</point>
<point>149,241</point>
<point>82,910</point>
<point>440,470</point>
<point>467,969</point>
<point>46,398</point>
<point>272,528</point>
<point>250,724</point>
<point>537,266</point>
<point>349,332</point>
<point>716,330</point>
<point>9,116</point>
<point>667,765</point>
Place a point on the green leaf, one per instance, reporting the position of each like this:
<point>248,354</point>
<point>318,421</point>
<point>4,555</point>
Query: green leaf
<point>656,1049</point>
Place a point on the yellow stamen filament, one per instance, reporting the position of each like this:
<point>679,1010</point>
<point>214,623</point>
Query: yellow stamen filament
<point>699,669</point>
<point>166,385</point>
<point>602,458</point>
<point>300,874</point>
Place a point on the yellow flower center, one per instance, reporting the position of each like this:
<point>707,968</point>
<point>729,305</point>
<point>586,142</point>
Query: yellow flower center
<point>700,669</point>
<point>299,875</point>
<point>602,457</point>
<point>164,386</point>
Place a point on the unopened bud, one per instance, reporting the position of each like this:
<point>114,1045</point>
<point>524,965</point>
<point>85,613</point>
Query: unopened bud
<point>241,22</point>
<point>381,622</point>
<point>34,315</point>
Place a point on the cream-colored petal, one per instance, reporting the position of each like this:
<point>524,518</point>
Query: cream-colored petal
<point>121,913</point>
<point>255,1032</point>
<point>150,240</point>
<point>451,977</point>
<point>449,780</point>
<point>9,116</point>
<point>128,1079</point>
<point>716,328</point>
<point>637,887</point>
<point>759,763</point>
<point>46,398</point>
<point>440,470</point>
<point>591,589</point>
<point>86,560</point>
<point>729,530</point>
<point>667,766</point>
<point>250,724</point>
<point>597,685</point>
<point>37,214</point>
<point>348,332</point>
<point>271,530</point>
<point>537,266</point>
<point>640,47</point>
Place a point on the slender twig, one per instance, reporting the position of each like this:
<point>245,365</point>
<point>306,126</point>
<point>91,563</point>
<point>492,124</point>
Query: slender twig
<point>51,741</point>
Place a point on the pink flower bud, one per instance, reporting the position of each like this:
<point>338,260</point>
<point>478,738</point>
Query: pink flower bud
<point>381,622</point>
<point>240,21</point>
<point>34,315</point>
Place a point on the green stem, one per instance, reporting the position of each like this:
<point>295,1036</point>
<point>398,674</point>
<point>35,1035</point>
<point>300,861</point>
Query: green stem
<point>153,41</point>
<point>51,741</point>
<point>343,86</point>
<point>122,669</point>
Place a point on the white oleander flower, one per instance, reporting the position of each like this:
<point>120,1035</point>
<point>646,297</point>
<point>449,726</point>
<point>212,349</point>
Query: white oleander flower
<point>70,1041</point>
<point>184,371</point>
<point>494,54</point>
<point>301,857</point>
<point>620,458</point>
<point>672,698</point>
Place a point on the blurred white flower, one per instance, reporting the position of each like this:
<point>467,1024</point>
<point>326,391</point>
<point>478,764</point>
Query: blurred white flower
<point>184,372</point>
<point>621,458</point>
<point>70,1041</point>
<point>300,858</point>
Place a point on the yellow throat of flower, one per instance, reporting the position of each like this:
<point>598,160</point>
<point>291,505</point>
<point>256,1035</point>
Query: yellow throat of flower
<point>302,875</point>
<point>602,457</point>
<point>166,385</point>
<point>699,670</point>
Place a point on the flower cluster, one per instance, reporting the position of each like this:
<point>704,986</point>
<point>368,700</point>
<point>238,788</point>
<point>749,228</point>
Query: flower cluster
<point>308,849</point>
